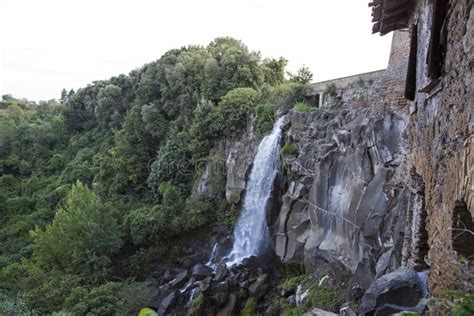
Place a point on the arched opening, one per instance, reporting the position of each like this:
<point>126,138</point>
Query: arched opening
<point>463,230</point>
<point>420,247</point>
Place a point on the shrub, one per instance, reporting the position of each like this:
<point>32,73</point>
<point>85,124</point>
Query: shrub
<point>361,82</point>
<point>284,95</point>
<point>231,113</point>
<point>172,164</point>
<point>250,308</point>
<point>288,149</point>
<point>323,297</point>
<point>197,302</point>
<point>101,300</point>
<point>218,175</point>
<point>330,89</point>
<point>292,283</point>
<point>148,224</point>
<point>456,302</point>
<point>15,306</point>
<point>266,115</point>
<point>302,107</point>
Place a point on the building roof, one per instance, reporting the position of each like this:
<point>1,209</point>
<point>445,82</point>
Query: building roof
<point>390,15</point>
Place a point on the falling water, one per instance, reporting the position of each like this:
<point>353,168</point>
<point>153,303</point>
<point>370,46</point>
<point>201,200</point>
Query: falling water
<point>211,263</point>
<point>251,233</point>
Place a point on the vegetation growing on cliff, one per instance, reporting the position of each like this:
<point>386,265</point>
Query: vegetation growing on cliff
<point>94,187</point>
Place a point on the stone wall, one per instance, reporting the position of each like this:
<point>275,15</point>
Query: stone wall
<point>344,82</point>
<point>440,150</point>
<point>391,88</point>
<point>376,88</point>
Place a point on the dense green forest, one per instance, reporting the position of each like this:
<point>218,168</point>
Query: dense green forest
<point>92,186</point>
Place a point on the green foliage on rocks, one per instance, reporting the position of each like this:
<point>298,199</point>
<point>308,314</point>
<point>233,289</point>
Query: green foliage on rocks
<point>330,89</point>
<point>303,107</point>
<point>197,302</point>
<point>250,307</point>
<point>266,116</point>
<point>292,283</point>
<point>288,149</point>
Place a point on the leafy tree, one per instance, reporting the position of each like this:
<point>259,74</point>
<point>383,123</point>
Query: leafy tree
<point>173,163</point>
<point>155,123</point>
<point>303,75</point>
<point>274,70</point>
<point>101,300</point>
<point>232,66</point>
<point>81,238</point>
<point>110,108</point>
<point>231,114</point>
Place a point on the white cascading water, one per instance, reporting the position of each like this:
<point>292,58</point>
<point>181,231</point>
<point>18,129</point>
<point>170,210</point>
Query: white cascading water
<point>251,234</point>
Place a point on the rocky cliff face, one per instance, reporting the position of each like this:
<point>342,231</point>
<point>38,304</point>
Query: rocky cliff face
<point>345,200</point>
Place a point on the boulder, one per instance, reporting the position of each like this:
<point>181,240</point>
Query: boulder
<point>392,293</point>
<point>319,312</point>
<point>167,276</point>
<point>165,302</point>
<point>258,288</point>
<point>300,296</point>
<point>204,284</point>
<point>221,272</point>
<point>291,300</point>
<point>180,279</point>
<point>231,308</point>
<point>349,309</point>
<point>201,271</point>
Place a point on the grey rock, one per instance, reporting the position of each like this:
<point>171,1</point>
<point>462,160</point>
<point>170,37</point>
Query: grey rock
<point>300,296</point>
<point>238,164</point>
<point>201,271</point>
<point>180,279</point>
<point>165,302</point>
<point>319,312</point>
<point>258,288</point>
<point>221,272</point>
<point>231,308</point>
<point>167,276</point>
<point>345,202</point>
<point>393,292</point>
<point>205,284</point>
<point>292,300</point>
<point>349,309</point>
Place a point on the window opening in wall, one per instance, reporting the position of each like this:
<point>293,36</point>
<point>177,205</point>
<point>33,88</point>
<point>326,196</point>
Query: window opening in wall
<point>316,100</point>
<point>463,230</point>
<point>437,47</point>
<point>410,83</point>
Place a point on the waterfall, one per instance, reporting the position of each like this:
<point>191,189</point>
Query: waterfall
<point>251,234</point>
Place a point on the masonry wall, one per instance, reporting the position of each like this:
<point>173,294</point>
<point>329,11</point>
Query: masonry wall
<point>377,88</point>
<point>392,86</point>
<point>441,152</point>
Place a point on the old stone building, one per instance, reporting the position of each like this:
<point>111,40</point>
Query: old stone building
<point>439,146</point>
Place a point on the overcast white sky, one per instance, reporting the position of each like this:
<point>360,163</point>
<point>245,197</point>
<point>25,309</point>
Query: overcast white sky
<point>49,45</point>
